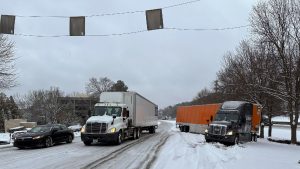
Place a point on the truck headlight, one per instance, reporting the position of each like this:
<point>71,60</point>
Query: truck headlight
<point>229,133</point>
<point>206,131</point>
<point>82,130</point>
<point>112,130</point>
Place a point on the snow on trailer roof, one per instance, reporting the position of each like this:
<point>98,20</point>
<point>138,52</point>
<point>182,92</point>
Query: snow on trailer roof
<point>232,104</point>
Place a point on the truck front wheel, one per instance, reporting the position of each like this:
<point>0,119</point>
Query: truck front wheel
<point>119,138</point>
<point>236,140</point>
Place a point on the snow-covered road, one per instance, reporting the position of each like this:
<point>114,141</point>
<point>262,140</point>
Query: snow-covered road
<point>130,154</point>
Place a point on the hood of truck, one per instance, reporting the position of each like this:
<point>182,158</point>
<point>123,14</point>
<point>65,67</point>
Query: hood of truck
<point>100,119</point>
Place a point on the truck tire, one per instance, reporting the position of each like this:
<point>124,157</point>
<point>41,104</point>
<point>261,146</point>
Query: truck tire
<point>138,133</point>
<point>87,143</point>
<point>186,129</point>
<point>152,130</point>
<point>236,140</point>
<point>135,134</point>
<point>181,128</point>
<point>119,138</point>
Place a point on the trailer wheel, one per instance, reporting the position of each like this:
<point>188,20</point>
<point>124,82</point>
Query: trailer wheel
<point>186,129</point>
<point>180,128</point>
<point>151,129</point>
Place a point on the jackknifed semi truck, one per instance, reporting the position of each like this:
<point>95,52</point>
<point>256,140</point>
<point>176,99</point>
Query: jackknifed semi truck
<point>119,116</point>
<point>234,122</point>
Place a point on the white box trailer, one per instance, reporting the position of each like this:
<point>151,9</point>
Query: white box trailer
<point>118,116</point>
<point>143,112</point>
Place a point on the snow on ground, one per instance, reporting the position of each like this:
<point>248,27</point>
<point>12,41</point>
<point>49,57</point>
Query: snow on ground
<point>188,150</point>
<point>4,138</point>
<point>281,118</point>
<point>281,132</point>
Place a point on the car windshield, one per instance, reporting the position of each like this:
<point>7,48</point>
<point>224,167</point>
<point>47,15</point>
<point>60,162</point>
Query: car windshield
<point>227,116</point>
<point>39,129</point>
<point>109,111</point>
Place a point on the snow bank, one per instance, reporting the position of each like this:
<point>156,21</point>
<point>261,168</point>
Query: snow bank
<point>187,150</point>
<point>4,138</point>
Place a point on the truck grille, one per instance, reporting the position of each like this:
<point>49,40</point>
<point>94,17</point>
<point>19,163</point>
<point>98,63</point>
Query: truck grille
<point>96,127</point>
<point>217,129</point>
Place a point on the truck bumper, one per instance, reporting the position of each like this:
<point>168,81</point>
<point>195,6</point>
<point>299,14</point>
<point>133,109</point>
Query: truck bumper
<point>220,138</point>
<point>108,137</point>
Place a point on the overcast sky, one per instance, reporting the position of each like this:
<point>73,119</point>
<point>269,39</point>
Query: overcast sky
<point>165,66</point>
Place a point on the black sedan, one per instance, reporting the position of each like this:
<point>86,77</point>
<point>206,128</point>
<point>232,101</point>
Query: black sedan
<point>44,136</point>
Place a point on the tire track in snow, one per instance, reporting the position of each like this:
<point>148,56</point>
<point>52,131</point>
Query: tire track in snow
<point>114,154</point>
<point>155,150</point>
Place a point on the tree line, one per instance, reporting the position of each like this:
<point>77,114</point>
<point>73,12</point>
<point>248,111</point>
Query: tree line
<point>265,68</point>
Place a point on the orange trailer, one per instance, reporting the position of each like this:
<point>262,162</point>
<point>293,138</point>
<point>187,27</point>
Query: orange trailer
<point>195,118</point>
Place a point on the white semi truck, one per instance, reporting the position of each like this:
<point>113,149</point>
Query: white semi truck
<point>119,116</point>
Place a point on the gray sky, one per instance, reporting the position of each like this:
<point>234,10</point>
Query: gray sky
<point>165,66</point>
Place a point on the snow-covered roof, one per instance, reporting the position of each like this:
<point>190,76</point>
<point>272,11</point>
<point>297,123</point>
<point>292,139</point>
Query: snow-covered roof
<point>232,104</point>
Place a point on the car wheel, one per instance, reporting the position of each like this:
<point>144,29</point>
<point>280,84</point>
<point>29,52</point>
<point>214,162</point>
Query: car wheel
<point>69,139</point>
<point>48,142</point>
<point>87,143</point>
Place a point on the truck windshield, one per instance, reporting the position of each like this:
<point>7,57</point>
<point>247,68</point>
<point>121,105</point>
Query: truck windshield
<point>109,111</point>
<point>227,116</point>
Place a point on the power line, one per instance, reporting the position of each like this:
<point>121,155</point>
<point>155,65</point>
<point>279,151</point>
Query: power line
<point>99,35</point>
<point>135,32</point>
<point>184,3</point>
<point>107,14</point>
<point>207,29</point>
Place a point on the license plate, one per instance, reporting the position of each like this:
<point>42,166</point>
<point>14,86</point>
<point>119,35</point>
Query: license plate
<point>95,140</point>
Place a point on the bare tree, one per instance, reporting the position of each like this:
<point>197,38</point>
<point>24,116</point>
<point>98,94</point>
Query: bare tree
<point>7,68</point>
<point>95,87</point>
<point>44,106</point>
<point>276,23</point>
